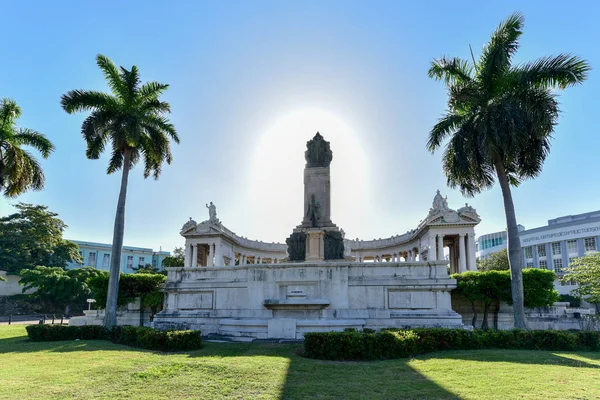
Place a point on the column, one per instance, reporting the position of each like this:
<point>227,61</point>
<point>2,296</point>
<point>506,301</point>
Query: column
<point>194,255</point>
<point>471,256</point>
<point>432,252</point>
<point>409,256</point>
<point>440,245</point>
<point>188,255</point>
<point>462,254</point>
<point>218,256</point>
<point>210,255</point>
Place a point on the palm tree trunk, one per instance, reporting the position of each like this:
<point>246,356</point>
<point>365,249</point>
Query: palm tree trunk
<point>514,248</point>
<point>110,319</point>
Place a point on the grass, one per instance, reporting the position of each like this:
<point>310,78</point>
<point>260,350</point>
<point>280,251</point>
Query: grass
<point>102,370</point>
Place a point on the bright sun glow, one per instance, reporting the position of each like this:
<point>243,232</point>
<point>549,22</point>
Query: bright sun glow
<point>274,194</point>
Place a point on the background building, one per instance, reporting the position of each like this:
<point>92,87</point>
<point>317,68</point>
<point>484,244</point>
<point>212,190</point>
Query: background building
<point>98,255</point>
<point>552,246</point>
<point>492,242</point>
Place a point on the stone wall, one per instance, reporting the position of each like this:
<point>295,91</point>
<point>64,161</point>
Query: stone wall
<point>287,300</point>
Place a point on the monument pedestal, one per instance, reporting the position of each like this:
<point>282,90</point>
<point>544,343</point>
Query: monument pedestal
<point>315,248</point>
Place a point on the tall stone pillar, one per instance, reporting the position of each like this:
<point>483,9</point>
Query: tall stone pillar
<point>432,252</point>
<point>211,255</point>
<point>188,256</point>
<point>218,256</point>
<point>194,255</point>
<point>471,253</point>
<point>440,245</point>
<point>462,254</point>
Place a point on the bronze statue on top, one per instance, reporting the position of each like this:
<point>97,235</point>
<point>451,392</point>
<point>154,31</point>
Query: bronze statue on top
<point>318,153</point>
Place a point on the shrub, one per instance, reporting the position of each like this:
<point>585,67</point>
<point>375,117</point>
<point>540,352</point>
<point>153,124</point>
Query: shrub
<point>574,301</point>
<point>144,337</point>
<point>399,343</point>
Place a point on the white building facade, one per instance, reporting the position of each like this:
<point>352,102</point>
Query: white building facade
<point>98,255</point>
<point>555,245</point>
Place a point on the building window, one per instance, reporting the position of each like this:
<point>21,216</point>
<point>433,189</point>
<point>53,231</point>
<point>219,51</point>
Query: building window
<point>572,247</point>
<point>589,244</point>
<point>528,252</point>
<point>106,261</point>
<point>141,262</point>
<point>558,265</point>
<point>543,264</point>
<point>129,261</point>
<point>92,259</point>
<point>556,249</point>
<point>541,250</point>
<point>530,264</point>
<point>571,259</point>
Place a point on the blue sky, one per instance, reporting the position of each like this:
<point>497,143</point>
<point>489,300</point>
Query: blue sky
<point>252,81</point>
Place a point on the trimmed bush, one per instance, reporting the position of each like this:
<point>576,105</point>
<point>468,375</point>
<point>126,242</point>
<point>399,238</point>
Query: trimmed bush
<point>398,343</point>
<point>147,338</point>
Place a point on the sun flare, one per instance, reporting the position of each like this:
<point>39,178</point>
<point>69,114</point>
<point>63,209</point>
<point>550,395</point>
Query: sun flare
<point>275,191</point>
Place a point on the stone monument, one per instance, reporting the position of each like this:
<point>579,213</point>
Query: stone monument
<point>321,237</point>
<point>318,280</point>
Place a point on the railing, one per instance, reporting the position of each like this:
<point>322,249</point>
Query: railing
<point>43,319</point>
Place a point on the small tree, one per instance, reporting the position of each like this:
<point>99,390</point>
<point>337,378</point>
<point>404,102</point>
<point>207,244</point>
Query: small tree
<point>32,237</point>
<point>497,261</point>
<point>175,260</point>
<point>538,285</point>
<point>143,285</point>
<point>585,272</point>
<point>61,288</point>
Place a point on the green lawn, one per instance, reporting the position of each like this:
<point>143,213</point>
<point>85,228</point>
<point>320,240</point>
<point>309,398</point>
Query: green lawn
<point>102,370</point>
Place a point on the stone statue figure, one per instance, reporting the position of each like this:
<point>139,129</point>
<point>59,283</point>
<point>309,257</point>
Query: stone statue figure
<point>296,246</point>
<point>440,203</point>
<point>314,211</point>
<point>212,213</point>
<point>318,153</point>
<point>469,209</point>
<point>189,224</point>
<point>333,244</point>
<point>440,206</point>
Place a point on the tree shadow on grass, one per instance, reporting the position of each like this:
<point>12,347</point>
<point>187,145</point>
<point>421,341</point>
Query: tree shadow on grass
<point>539,357</point>
<point>308,378</point>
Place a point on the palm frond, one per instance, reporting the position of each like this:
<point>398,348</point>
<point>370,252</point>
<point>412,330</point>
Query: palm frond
<point>112,75</point>
<point>451,70</point>
<point>87,100</point>
<point>32,138</point>
<point>116,161</point>
<point>497,55</point>
<point>561,71</point>
<point>132,80</point>
<point>9,111</point>
<point>152,90</point>
<point>446,126</point>
<point>22,170</point>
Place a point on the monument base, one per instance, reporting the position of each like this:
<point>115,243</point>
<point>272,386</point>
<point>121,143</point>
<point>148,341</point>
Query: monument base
<point>284,301</point>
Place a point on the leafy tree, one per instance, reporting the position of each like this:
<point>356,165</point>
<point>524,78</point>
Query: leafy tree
<point>497,261</point>
<point>60,287</point>
<point>491,287</point>
<point>500,120</point>
<point>146,269</point>
<point>538,285</point>
<point>33,236</point>
<point>175,260</point>
<point>585,271</point>
<point>19,171</point>
<point>488,288</point>
<point>145,286</point>
<point>132,121</point>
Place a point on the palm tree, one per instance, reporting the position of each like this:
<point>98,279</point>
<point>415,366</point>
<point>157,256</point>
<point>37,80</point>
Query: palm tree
<point>19,171</point>
<point>131,120</point>
<point>499,122</point>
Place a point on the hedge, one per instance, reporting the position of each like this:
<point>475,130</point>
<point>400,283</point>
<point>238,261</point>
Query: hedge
<point>398,343</point>
<point>147,338</point>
